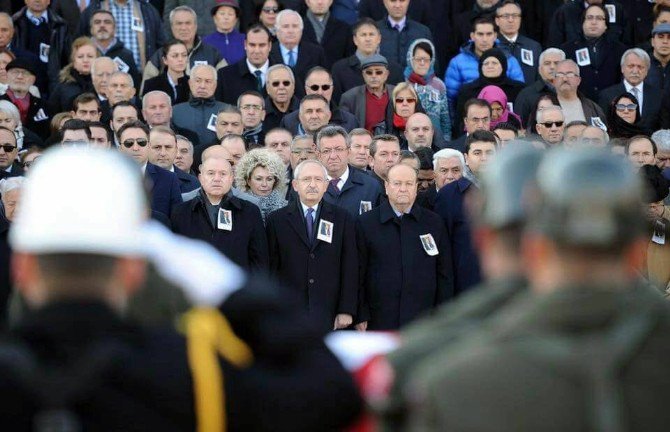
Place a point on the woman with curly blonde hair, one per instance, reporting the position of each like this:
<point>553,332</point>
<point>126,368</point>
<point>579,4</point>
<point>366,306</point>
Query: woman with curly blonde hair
<point>262,173</point>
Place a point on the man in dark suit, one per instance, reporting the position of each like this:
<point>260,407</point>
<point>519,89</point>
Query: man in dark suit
<point>232,225</point>
<point>508,18</point>
<point>9,165</point>
<point>164,185</point>
<point>398,32</point>
<point>476,116</point>
<point>347,71</point>
<point>322,28</point>
<point>371,102</point>
<point>312,247</point>
<point>480,146</point>
<point>405,263</point>
<point>419,10</point>
<point>300,55</point>
<point>249,73</point>
<point>319,81</point>
<point>349,187</point>
<point>163,152</point>
<point>634,68</point>
<point>281,98</point>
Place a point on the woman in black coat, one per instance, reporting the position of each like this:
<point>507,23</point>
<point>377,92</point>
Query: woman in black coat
<point>75,78</point>
<point>492,71</point>
<point>173,79</point>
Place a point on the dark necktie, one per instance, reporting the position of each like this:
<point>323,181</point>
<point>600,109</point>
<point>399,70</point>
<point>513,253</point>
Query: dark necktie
<point>309,220</point>
<point>291,59</point>
<point>259,80</point>
<point>334,182</point>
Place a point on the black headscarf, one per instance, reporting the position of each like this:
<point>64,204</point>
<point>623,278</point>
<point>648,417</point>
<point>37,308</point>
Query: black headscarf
<point>620,128</point>
<point>502,58</point>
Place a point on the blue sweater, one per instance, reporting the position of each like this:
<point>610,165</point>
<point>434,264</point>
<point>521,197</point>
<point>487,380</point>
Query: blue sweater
<point>230,46</point>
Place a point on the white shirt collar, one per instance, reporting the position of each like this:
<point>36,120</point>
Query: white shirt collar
<point>343,178</point>
<point>305,208</point>
<point>402,23</point>
<point>263,68</point>
<point>629,86</point>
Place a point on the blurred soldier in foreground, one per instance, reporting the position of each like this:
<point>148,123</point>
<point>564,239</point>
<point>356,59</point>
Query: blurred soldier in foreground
<point>588,348</point>
<point>497,233</point>
<point>248,362</point>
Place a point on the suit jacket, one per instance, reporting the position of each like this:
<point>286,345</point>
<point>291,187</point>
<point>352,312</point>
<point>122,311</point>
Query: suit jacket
<point>354,102</point>
<point>309,55</point>
<point>528,65</point>
<point>358,188</point>
<point>395,44</point>
<point>465,262</point>
<point>323,274</point>
<point>246,244</point>
<point>235,79</point>
<point>336,42</point>
<point>347,74</point>
<point>458,143</point>
<point>164,189</point>
<point>339,117</point>
<point>399,279</point>
<point>345,10</point>
<point>187,182</point>
<point>652,99</point>
<point>161,83</point>
<point>419,10</point>
<point>273,116</point>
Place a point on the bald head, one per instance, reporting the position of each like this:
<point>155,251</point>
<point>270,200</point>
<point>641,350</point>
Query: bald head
<point>419,131</point>
<point>216,151</point>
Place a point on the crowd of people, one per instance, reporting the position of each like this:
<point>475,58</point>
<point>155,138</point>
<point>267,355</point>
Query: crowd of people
<point>347,150</point>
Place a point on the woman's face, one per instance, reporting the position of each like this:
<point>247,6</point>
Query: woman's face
<point>269,13</point>
<point>11,203</point>
<point>626,109</point>
<point>176,58</point>
<point>421,62</point>
<point>491,68</point>
<point>496,110</point>
<point>405,103</point>
<point>83,59</point>
<point>30,160</point>
<point>4,61</point>
<point>7,121</point>
<point>261,181</point>
<point>225,19</point>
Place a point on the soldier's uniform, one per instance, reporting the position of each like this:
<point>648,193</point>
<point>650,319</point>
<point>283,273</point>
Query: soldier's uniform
<point>589,354</point>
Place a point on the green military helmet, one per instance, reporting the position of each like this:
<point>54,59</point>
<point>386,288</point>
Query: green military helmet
<point>506,184</point>
<point>588,197</point>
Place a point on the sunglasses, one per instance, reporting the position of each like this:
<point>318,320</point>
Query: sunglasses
<point>284,83</point>
<point>626,107</point>
<point>376,72</point>
<point>142,142</point>
<point>324,87</point>
<point>270,10</point>
<point>552,124</point>
<point>408,100</point>
<point>7,148</point>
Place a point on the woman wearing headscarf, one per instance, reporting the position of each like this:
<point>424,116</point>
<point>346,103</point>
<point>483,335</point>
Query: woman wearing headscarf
<point>492,71</point>
<point>623,117</point>
<point>500,112</point>
<point>431,91</point>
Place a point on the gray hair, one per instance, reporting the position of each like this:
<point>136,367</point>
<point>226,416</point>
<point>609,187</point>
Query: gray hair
<point>550,51</point>
<point>540,113</point>
<point>127,75</point>
<point>9,108</point>
<point>277,67</point>
<point>331,131</point>
<point>211,68</point>
<point>302,137</point>
<point>662,139</point>
<point>11,183</point>
<point>570,62</point>
<point>642,54</point>
<point>298,169</point>
<point>8,17</point>
<point>183,8</point>
<point>156,93</point>
<point>287,12</point>
<point>447,154</point>
<point>103,58</point>
<point>259,157</point>
<point>188,141</point>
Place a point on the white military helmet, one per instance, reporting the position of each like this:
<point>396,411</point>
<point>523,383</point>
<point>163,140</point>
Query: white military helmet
<point>80,200</point>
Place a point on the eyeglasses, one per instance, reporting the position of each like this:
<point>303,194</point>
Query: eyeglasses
<point>301,151</point>
<point>594,18</point>
<point>324,87</point>
<point>509,16</point>
<point>421,60</point>
<point>8,148</point>
<point>270,10</point>
<point>565,75</point>
<point>18,72</point>
<point>28,164</point>
<point>374,72</point>
<point>625,107</point>
<point>327,152</point>
<point>284,83</point>
<point>142,142</point>
<point>252,108</point>
<point>402,100</point>
<point>552,124</point>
